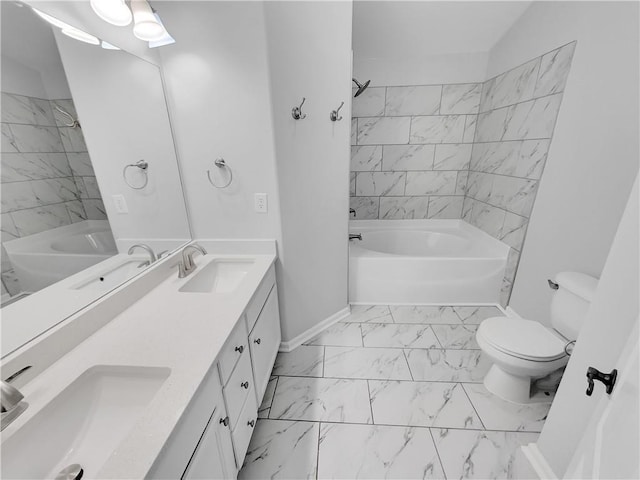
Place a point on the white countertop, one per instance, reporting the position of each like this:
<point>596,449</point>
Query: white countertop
<point>166,328</point>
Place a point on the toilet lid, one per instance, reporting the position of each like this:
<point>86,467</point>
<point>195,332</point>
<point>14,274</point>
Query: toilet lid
<point>522,338</point>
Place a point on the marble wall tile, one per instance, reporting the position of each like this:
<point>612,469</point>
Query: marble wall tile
<point>267,399</point>
<point>445,207</point>
<point>76,211</point>
<point>514,194</point>
<point>82,190</point>
<point>495,157</point>
<point>369,313</point>
<point>488,218</point>
<point>366,363</point>
<point>380,183</point>
<point>36,220</point>
<point>340,334</point>
<point>369,103</point>
<point>68,106</point>
<point>480,186</point>
<point>491,125</point>
<point>514,86</point>
<point>554,70</point>
<point>475,315</point>
<point>435,365</point>
<point>398,208</point>
<point>17,167</point>
<point>383,130</point>
<point>461,183</point>
<point>4,290</point>
<point>376,451</point>
<point>282,449</point>
<point>452,157</point>
<point>91,184</point>
<point>30,139</point>
<point>304,361</point>
<point>428,404</point>
<point>513,230</point>
<point>352,184</point>
<point>533,119</point>
<point>437,129</point>
<point>94,208</point>
<point>354,131</point>
<point>467,208</point>
<point>470,128</point>
<point>408,157</point>
<point>398,336</point>
<point>18,196</point>
<point>498,414</point>
<point>366,158</point>
<point>26,110</point>
<point>462,98</point>
<point>532,159</point>
<point>35,193</point>
<point>365,207</point>
<point>456,337</point>
<point>72,139</point>
<point>321,399</point>
<point>81,164</point>
<point>431,183</point>
<point>424,314</point>
<point>479,454</point>
<point>512,265</point>
<point>11,282</point>
<point>415,100</point>
<point>8,228</point>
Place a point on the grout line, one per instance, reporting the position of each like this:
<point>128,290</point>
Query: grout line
<point>408,366</point>
<point>318,451</point>
<point>274,393</point>
<point>437,338</point>
<point>472,404</point>
<point>355,379</point>
<point>407,347</point>
<point>373,421</point>
<point>324,356</point>
<point>435,446</point>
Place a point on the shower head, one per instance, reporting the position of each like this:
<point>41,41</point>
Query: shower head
<point>361,87</point>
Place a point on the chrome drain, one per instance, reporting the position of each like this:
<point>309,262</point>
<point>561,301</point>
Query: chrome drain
<point>72,472</point>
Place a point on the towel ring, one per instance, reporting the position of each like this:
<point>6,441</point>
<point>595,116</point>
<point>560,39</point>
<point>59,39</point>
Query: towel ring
<point>220,163</point>
<point>143,166</point>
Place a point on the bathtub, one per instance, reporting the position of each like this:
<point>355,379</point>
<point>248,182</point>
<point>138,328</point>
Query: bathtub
<point>424,262</point>
<point>47,257</point>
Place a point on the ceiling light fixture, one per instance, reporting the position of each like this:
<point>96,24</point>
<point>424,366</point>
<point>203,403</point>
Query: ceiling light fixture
<point>78,34</point>
<point>52,20</point>
<point>114,12</point>
<point>146,27</point>
<point>108,46</point>
<point>166,38</point>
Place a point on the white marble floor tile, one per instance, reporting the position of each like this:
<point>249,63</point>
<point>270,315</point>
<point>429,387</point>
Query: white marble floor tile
<point>268,395</point>
<point>281,449</point>
<point>304,361</point>
<point>498,414</point>
<point>369,313</point>
<point>369,363</point>
<point>479,454</point>
<point>435,404</point>
<point>419,314</point>
<point>457,336</point>
<point>391,335</point>
<point>340,334</point>
<point>321,399</point>
<point>371,451</point>
<point>448,365</point>
<point>475,315</point>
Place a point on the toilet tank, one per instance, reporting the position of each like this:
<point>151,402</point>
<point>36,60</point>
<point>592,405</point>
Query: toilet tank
<point>571,301</point>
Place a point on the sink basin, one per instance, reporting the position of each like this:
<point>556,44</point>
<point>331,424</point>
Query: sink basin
<point>84,424</point>
<point>218,276</point>
<point>112,278</point>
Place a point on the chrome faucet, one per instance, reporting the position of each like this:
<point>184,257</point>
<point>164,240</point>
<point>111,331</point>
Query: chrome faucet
<point>187,265</point>
<point>152,256</point>
<point>354,236</point>
<point>11,404</point>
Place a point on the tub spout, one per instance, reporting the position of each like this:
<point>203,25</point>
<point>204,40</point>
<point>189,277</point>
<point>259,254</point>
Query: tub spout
<point>354,236</point>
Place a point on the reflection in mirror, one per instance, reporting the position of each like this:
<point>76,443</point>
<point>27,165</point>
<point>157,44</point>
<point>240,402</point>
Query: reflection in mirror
<point>79,123</point>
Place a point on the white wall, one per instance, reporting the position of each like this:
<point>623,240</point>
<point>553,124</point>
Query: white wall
<point>309,46</point>
<point>425,70</point>
<point>20,79</point>
<point>218,87</point>
<point>120,101</point>
<point>610,321</point>
<point>594,154</point>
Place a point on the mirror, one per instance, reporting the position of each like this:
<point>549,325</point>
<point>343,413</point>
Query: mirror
<point>89,170</point>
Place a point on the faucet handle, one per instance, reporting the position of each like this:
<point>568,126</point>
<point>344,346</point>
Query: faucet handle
<point>10,397</point>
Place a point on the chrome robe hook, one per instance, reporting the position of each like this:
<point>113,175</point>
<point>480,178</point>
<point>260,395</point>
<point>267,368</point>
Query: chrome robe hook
<point>334,114</point>
<point>296,112</point>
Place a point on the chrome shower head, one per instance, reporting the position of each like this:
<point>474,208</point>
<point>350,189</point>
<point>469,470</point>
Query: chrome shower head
<point>361,87</point>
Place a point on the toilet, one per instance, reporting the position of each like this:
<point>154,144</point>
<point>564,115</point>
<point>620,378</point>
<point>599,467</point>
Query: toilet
<point>522,350</point>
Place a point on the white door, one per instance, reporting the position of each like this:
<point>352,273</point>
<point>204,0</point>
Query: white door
<point>610,445</point>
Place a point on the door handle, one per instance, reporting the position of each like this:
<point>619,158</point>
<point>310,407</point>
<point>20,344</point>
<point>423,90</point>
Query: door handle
<point>608,379</point>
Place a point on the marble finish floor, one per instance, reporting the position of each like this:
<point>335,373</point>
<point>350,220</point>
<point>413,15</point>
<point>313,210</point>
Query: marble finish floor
<point>389,392</point>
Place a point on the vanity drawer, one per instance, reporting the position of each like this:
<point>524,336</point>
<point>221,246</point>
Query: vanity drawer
<point>242,432</point>
<point>237,388</point>
<point>235,348</point>
<point>257,302</point>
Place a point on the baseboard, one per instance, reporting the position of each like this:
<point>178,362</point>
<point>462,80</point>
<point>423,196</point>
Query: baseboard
<point>537,462</point>
<point>313,331</point>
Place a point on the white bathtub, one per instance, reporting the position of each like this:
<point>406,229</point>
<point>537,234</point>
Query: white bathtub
<point>423,262</point>
<point>45,258</point>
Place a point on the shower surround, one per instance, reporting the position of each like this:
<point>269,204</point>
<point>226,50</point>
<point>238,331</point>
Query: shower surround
<point>474,151</point>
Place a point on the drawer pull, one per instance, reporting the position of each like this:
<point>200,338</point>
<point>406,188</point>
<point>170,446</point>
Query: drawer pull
<point>257,340</point>
<point>225,421</point>
<point>240,349</point>
<point>251,423</point>
<point>245,385</point>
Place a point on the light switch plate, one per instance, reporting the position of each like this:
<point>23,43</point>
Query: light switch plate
<point>120,203</point>
<point>260,202</point>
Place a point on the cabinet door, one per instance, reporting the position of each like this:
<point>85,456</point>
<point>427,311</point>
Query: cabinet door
<point>264,342</point>
<point>213,457</point>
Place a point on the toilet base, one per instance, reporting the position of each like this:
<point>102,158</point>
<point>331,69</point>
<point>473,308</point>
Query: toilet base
<point>513,388</point>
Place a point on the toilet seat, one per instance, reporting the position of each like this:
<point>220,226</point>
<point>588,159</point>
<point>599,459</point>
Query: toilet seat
<point>521,338</point>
